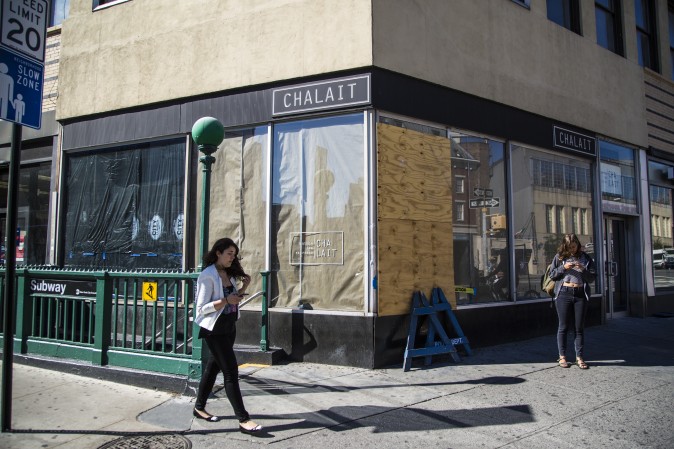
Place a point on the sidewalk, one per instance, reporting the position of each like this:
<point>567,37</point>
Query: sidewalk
<point>507,396</point>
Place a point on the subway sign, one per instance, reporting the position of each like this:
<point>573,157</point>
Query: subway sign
<point>53,287</point>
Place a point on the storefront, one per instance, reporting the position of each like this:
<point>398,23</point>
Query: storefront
<point>353,192</point>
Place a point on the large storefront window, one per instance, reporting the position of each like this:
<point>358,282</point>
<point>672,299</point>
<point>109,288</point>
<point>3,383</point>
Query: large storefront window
<point>661,177</point>
<point>317,214</point>
<point>32,213</point>
<point>553,195</point>
<point>239,197</point>
<point>479,221</point>
<point>124,208</point>
<point>618,185</point>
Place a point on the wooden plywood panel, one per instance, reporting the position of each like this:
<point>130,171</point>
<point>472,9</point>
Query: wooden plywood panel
<point>413,255</point>
<point>413,175</point>
<point>414,217</point>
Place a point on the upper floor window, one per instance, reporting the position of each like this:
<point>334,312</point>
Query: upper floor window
<point>565,13</point>
<point>98,3</point>
<point>525,3</point>
<point>609,25</point>
<point>671,35</point>
<point>59,12</point>
<point>646,40</point>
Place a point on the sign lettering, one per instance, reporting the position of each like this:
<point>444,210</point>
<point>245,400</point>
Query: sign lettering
<point>317,248</point>
<point>24,27</point>
<point>571,140</point>
<point>63,287</point>
<point>322,95</point>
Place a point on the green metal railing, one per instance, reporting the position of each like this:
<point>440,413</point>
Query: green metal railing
<point>104,317</point>
<point>108,321</point>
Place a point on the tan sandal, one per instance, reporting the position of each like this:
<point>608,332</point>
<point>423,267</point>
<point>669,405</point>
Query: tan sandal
<point>581,364</point>
<point>563,362</point>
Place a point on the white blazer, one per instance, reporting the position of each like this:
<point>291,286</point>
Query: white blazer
<point>209,289</point>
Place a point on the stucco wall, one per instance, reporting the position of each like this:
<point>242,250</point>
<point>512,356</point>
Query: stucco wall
<point>140,52</point>
<point>513,55</point>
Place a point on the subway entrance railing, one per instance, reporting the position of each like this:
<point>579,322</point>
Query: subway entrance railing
<point>139,319</point>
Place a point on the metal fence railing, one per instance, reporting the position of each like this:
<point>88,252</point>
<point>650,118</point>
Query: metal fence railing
<point>137,319</point>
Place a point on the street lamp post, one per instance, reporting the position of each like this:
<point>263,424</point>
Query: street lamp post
<point>207,133</point>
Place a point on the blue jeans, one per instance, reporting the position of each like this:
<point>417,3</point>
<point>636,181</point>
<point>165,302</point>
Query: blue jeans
<point>567,302</point>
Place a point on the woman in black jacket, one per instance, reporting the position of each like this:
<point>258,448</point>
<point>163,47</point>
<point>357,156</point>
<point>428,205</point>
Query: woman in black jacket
<point>573,272</point>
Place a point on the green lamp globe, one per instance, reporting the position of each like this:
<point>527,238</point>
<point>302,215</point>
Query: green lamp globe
<point>208,132</point>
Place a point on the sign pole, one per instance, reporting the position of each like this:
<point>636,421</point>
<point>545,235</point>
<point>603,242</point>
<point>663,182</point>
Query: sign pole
<point>10,269</point>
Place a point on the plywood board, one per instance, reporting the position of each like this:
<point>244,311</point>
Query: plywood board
<point>414,217</point>
<point>413,175</point>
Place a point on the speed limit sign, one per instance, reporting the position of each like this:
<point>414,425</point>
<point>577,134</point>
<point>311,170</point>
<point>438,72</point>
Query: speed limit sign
<point>24,27</point>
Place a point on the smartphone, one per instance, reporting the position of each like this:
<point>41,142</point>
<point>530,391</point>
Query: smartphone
<point>243,294</point>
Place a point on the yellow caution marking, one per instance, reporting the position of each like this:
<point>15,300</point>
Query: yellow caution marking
<point>149,291</point>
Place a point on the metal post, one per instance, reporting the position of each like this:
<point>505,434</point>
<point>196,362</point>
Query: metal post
<point>10,269</point>
<point>207,160</point>
<point>264,318</point>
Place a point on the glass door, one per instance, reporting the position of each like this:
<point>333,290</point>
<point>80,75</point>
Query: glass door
<point>616,267</point>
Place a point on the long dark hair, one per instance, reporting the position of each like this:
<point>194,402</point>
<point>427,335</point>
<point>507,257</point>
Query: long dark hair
<point>235,270</point>
<point>564,249</point>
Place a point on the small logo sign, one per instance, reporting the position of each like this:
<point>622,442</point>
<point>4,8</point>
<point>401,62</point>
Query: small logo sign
<point>571,140</point>
<point>155,227</point>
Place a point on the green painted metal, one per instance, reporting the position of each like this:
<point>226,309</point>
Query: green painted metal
<point>208,131</point>
<point>137,360</point>
<point>264,318</point>
<point>91,329</point>
<point>59,350</point>
<point>102,321</point>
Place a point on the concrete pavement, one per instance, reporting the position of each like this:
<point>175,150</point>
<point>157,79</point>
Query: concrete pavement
<point>507,396</point>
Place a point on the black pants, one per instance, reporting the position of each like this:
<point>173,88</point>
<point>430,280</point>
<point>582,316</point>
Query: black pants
<point>223,359</point>
<point>570,301</point>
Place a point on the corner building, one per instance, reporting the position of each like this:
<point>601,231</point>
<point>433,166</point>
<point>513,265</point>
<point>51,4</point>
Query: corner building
<point>374,148</point>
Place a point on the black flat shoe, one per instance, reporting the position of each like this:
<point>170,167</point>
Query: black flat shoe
<point>250,431</point>
<point>206,416</point>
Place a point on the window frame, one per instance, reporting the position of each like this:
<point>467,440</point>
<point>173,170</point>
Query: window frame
<point>670,19</point>
<point>615,12</point>
<point>570,9</point>
<point>650,35</point>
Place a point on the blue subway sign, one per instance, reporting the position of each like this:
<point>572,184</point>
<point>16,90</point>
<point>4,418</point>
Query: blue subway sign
<point>21,85</point>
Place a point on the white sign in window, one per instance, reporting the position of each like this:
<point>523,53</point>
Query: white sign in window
<point>317,248</point>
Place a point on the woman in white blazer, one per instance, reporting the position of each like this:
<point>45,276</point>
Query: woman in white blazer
<point>216,312</point>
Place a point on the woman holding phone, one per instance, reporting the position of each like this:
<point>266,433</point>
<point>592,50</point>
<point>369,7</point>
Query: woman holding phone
<point>216,313</point>
<point>573,271</point>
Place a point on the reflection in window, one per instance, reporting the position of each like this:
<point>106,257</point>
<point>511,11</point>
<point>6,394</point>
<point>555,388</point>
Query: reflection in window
<point>660,190</point>
<point>32,213</point>
<point>459,211</point>
<point>547,207</point>
<point>459,184</point>
<point>318,212</point>
<point>480,234</point>
<point>618,184</point>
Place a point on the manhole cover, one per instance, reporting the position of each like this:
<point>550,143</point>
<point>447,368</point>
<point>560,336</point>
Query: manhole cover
<point>171,441</point>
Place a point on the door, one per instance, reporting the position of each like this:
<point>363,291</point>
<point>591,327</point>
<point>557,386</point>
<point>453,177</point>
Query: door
<point>615,251</point>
